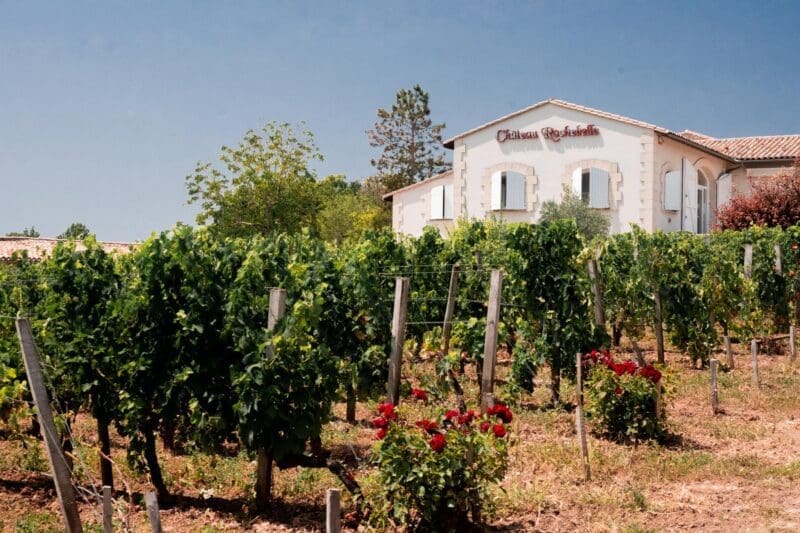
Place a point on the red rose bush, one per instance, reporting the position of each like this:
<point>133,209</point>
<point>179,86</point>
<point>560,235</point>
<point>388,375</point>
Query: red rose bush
<point>622,397</point>
<point>434,472</point>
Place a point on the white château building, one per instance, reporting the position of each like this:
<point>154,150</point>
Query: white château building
<point>635,172</point>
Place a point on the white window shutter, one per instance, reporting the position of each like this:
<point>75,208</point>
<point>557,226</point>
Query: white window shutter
<point>448,202</point>
<point>437,203</point>
<point>689,196</point>
<point>577,177</point>
<point>598,188</point>
<point>515,190</point>
<point>497,191</point>
<point>672,191</point>
<point>724,189</point>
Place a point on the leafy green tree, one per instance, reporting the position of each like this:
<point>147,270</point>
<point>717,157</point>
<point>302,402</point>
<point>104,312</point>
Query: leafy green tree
<point>76,231</point>
<point>591,222</point>
<point>27,232</point>
<point>409,141</point>
<point>347,210</point>
<point>266,184</point>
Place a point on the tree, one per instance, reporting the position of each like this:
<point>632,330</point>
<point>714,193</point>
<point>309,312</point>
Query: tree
<point>591,222</point>
<point>773,201</point>
<point>410,143</point>
<point>347,209</point>
<point>76,231</point>
<point>266,186</point>
<point>27,232</point>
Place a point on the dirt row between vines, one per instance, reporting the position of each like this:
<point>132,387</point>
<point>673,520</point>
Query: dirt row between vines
<point>738,470</point>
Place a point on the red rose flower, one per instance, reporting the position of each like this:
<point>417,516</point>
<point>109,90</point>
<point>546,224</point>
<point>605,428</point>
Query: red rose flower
<point>626,367</point>
<point>387,410</point>
<point>466,418</point>
<point>650,372</point>
<point>485,426</point>
<point>499,430</point>
<point>380,422</point>
<point>437,442</point>
<point>502,412</point>
<point>380,434</point>
<point>428,425</point>
<point>451,414</point>
<point>618,391</point>
<point>419,394</point>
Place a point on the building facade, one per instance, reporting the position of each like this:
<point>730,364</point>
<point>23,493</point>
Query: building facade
<point>635,172</point>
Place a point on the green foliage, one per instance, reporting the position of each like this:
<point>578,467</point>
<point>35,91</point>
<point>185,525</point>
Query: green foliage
<point>285,380</point>
<point>422,488</point>
<point>367,268</point>
<point>76,231</point>
<point>529,354</point>
<point>80,338</point>
<point>622,406</point>
<point>409,141</point>
<point>591,222</point>
<point>267,184</point>
<point>27,232</point>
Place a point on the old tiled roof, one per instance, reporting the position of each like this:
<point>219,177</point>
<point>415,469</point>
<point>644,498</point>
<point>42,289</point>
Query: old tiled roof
<point>39,248</point>
<point>754,148</point>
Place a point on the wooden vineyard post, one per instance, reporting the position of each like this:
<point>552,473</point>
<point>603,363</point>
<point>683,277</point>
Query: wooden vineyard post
<point>490,339</point>
<point>107,522</point>
<point>658,326</point>
<point>792,343</point>
<point>778,259</point>
<point>332,511</point>
<point>579,422</point>
<point>726,340</point>
<point>748,260</point>
<point>277,308</point>
<point>398,339</point>
<point>659,401</point>
<point>597,291</point>
<point>714,365</point>
<point>447,325</point>
<point>754,355</point>
<point>151,502</point>
<point>61,475</point>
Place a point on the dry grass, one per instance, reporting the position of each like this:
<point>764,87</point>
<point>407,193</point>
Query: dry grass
<point>738,470</point>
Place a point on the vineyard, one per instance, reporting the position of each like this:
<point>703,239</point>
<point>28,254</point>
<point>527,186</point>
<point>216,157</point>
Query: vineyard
<point>246,376</point>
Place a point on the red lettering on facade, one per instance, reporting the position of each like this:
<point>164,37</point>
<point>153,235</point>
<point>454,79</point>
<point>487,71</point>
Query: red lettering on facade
<point>551,134</point>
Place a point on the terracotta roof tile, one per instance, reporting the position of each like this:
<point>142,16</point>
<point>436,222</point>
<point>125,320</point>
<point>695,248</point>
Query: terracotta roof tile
<point>39,248</point>
<point>757,147</point>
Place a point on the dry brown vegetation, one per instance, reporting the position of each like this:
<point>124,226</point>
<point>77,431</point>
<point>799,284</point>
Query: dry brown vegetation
<point>738,470</point>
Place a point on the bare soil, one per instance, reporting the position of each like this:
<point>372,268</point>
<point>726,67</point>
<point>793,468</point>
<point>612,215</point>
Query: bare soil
<point>738,470</point>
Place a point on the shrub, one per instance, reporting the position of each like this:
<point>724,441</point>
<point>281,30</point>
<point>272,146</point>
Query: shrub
<point>591,222</point>
<point>434,472</point>
<point>622,397</point>
<point>773,201</point>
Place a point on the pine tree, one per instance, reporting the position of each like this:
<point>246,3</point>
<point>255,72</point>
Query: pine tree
<point>409,141</point>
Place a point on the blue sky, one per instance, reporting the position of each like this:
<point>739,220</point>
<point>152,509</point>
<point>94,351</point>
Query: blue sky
<point>105,107</point>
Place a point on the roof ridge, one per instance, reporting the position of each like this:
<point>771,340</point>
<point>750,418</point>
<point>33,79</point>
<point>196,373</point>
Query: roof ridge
<point>757,137</point>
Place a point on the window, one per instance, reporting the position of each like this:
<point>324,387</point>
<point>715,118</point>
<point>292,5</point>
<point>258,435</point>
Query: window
<point>508,190</point>
<point>591,185</point>
<point>442,202</point>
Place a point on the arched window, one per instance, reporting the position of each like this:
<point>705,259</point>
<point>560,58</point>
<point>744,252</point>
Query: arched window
<point>508,190</point>
<point>592,186</point>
